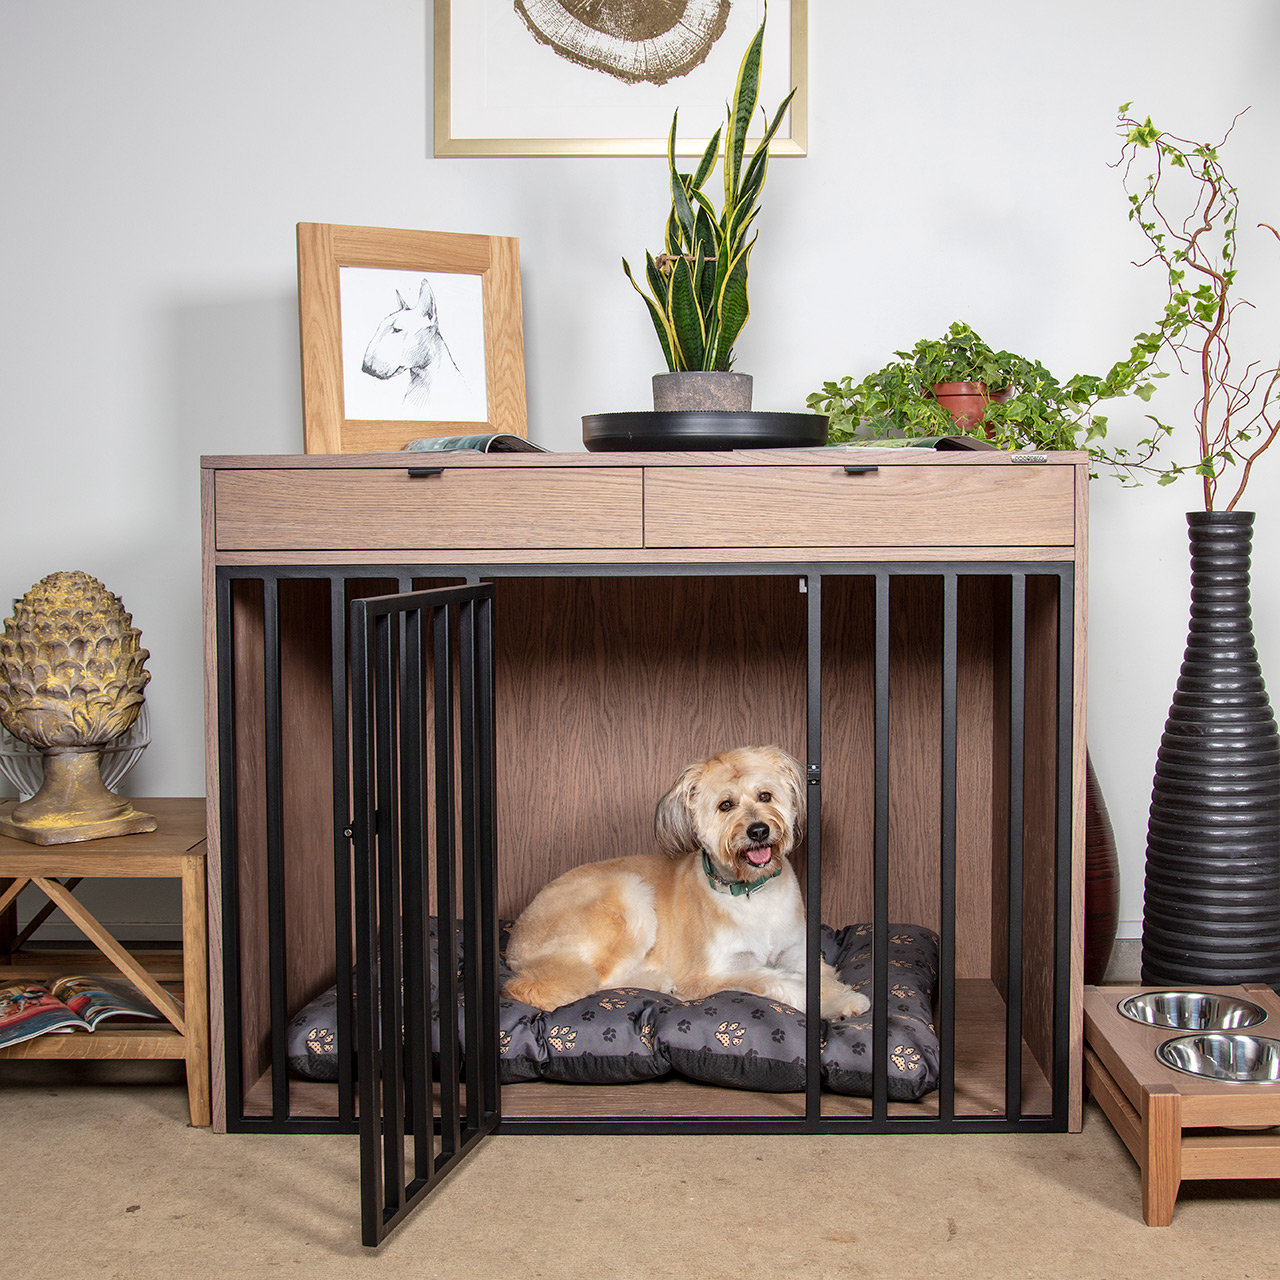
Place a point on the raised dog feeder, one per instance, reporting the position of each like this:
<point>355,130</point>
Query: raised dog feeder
<point>1204,1105</point>
<point>1192,1011</point>
<point>1231,1056</point>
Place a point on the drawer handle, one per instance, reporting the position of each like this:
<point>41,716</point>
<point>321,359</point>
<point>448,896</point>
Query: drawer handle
<point>421,473</point>
<point>859,468</point>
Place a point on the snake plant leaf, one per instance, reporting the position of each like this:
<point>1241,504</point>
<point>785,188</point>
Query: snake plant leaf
<point>680,206</point>
<point>657,281</point>
<point>733,309</point>
<point>660,325</point>
<point>706,242</point>
<point>742,108</point>
<point>707,163</point>
<point>686,316</point>
<point>706,235</point>
<point>753,179</point>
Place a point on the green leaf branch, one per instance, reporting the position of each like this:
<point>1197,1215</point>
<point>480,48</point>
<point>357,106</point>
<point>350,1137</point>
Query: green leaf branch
<point>1191,218</point>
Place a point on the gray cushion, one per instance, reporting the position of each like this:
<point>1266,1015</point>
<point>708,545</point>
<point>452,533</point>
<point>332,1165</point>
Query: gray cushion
<point>733,1038</point>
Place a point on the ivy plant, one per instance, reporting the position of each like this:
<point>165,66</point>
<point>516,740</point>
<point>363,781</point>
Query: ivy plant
<point>1030,408</point>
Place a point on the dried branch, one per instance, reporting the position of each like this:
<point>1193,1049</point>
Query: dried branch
<point>1198,253</point>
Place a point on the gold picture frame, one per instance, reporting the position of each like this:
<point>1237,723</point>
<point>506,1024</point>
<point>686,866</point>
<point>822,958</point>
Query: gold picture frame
<point>792,138</point>
<point>460,294</point>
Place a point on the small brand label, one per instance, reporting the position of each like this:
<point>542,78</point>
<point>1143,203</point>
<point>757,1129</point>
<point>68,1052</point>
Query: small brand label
<point>1029,457</point>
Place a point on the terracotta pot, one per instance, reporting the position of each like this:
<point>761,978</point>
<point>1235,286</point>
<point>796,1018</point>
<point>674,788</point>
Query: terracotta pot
<point>966,402</point>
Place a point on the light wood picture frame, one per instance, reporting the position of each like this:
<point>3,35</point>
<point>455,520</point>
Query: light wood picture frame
<point>507,82</point>
<point>407,334</point>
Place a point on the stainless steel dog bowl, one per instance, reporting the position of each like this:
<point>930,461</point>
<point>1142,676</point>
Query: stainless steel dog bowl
<point>1231,1056</point>
<point>1192,1011</point>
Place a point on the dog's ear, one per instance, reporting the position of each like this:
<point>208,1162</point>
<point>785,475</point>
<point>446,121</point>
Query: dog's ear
<point>673,821</point>
<point>790,771</point>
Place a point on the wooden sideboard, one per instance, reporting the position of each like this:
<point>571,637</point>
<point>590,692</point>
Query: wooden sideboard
<point>650,609</point>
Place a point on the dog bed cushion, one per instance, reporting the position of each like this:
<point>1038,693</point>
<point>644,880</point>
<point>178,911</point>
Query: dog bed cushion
<point>732,1038</point>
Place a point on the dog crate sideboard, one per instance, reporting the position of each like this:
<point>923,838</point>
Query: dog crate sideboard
<point>908,624</point>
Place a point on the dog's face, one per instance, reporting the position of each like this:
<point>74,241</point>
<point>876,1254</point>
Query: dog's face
<point>744,807</point>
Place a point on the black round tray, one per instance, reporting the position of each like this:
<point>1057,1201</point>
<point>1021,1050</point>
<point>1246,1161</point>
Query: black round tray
<point>603,432</point>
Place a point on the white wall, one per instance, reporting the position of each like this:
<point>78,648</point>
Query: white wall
<point>156,156</point>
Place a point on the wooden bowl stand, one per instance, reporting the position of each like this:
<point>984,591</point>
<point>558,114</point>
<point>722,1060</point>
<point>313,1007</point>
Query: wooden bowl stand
<point>1178,1126</point>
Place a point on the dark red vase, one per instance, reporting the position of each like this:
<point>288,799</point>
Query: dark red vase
<point>1101,880</point>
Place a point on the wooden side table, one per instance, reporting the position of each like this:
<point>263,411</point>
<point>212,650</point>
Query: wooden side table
<point>175,850</point>
<point>1178,1126</point>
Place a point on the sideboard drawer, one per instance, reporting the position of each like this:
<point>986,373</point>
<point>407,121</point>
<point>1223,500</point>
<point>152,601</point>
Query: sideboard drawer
<point>459,508</point>
<point>824,506</point>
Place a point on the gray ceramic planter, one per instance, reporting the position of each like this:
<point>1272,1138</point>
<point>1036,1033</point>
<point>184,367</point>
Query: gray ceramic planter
<point>717,391</point>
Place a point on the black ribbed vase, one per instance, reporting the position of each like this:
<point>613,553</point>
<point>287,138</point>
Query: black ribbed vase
<point>1211,907</point>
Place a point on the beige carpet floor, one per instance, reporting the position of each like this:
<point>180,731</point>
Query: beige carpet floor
<point>101,1176</point>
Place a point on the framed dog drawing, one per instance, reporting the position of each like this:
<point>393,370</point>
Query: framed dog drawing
<point>407,334</point>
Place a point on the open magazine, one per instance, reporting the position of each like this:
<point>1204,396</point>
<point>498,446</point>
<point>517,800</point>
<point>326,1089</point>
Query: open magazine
<point>76,1003</point>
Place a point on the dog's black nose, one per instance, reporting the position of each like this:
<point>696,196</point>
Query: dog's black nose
<point>758,831</point>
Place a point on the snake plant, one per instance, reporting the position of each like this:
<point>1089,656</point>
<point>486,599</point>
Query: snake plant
<point>697,294</point>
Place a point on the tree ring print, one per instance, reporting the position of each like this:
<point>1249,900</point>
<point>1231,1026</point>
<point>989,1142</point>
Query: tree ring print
<point>635,41</point>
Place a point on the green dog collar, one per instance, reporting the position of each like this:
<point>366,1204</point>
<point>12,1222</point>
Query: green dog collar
<point>739,888</point>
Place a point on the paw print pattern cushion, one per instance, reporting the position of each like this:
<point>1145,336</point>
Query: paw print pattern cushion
<point>733,1038</point>
<point>913,1039</point>
<point>737,1039</point>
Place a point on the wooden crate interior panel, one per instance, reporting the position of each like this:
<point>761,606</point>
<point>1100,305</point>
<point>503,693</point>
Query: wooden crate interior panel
<point>977,739</point>
<point>306,732</point>
<point>710,662</point>
<point>762,506</point>
<point>848,748</point>
<point>387,509</point>
<point>249,744</point>
<point>915,729</point>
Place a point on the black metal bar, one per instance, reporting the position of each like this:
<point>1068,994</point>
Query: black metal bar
<point>946,1017</point>
<point>468,702</point>
<point>880,914</point>
<point>413,866</point>
<point>446,887</point>
<point>858,469</point>
<point>813,855</point>
<point>422,473</point>
<point>277,921</point>
<point>658,1124</point>
<point>486,837</point>
<point>1017,809</point>
<point>229,852</point>
<point>368,1040</point>
<point>342,865</point>
<point>390,970</point>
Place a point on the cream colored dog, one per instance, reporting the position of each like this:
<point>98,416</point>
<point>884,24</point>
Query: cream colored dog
<point>719,909</point>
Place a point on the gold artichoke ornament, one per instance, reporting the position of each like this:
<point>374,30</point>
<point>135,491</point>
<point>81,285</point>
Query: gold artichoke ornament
<point>71,680</point>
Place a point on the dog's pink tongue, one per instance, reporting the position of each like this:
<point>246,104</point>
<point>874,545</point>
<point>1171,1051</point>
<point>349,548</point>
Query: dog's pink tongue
<point>758,857</point>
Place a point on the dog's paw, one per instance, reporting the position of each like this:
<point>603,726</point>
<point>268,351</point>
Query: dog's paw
<point>845,1003</point>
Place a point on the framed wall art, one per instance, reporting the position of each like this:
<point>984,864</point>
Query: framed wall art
<point>407,334</point>
<point>603,77</point>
